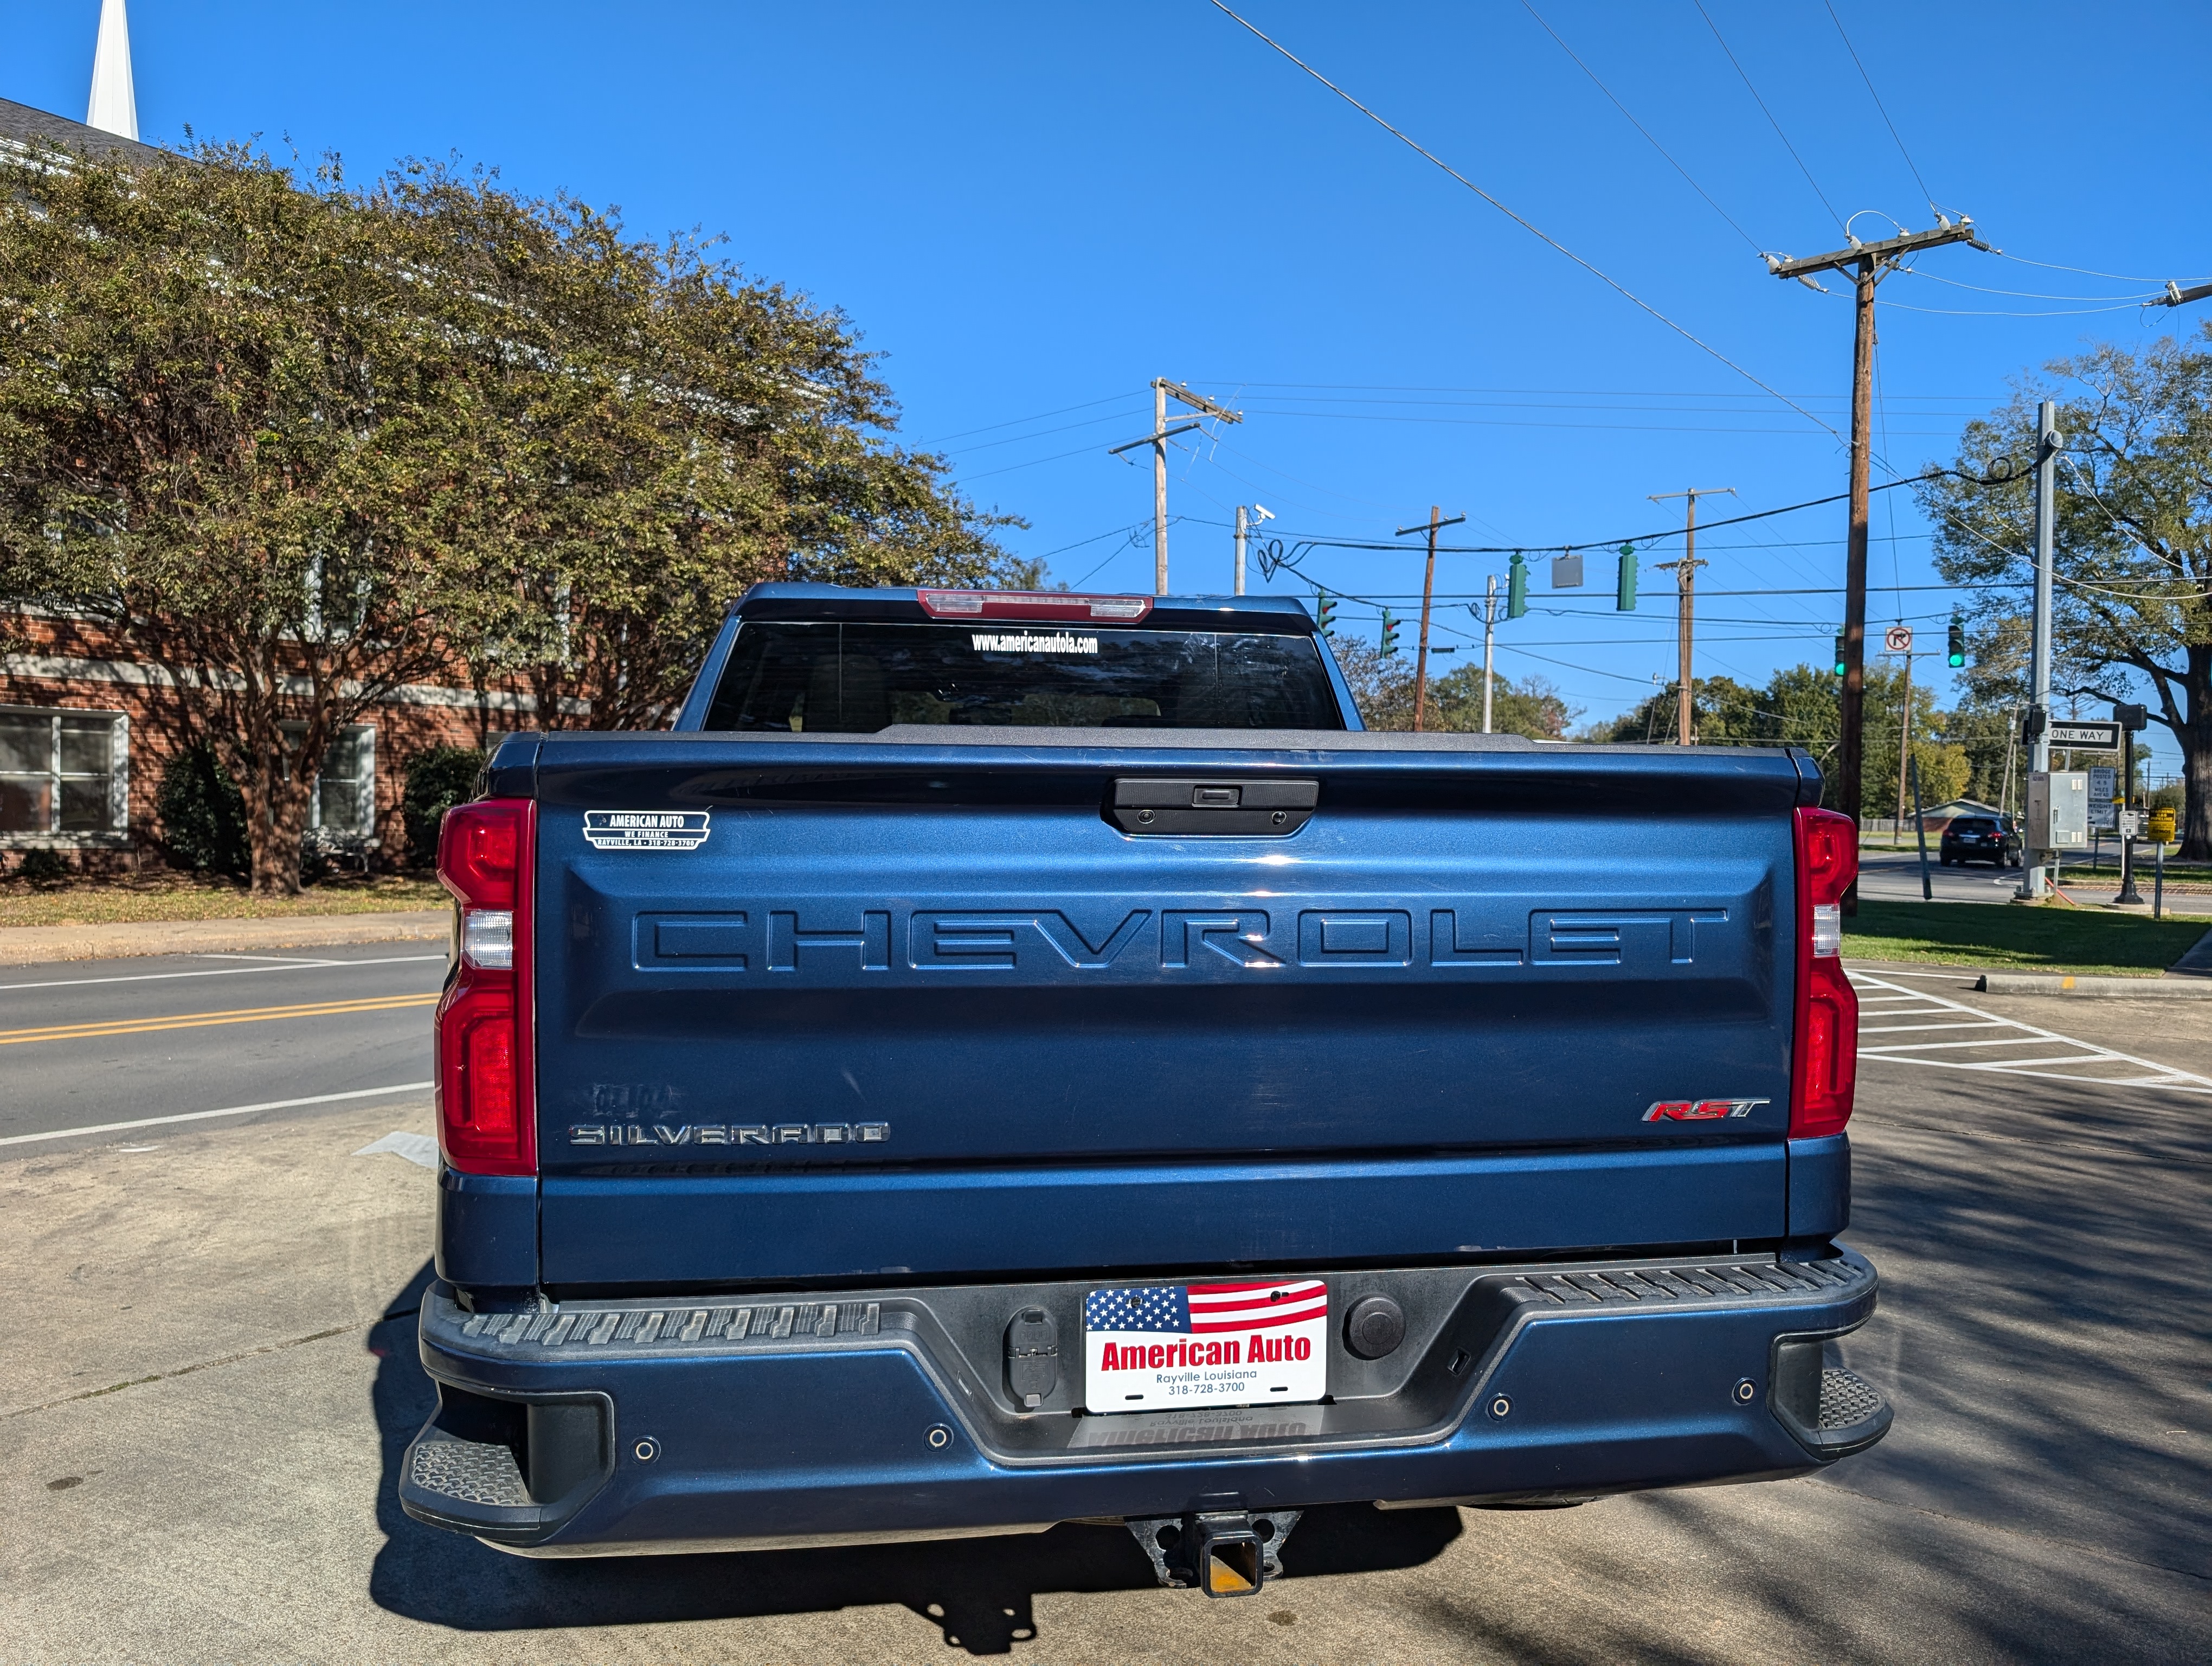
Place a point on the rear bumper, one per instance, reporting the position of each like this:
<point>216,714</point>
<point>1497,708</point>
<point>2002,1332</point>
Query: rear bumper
<point>619,1427</point>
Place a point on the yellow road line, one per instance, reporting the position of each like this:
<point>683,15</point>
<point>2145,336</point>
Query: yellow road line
<point>199,1020</point>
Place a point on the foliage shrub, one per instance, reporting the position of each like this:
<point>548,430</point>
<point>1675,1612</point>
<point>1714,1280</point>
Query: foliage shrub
<point>203,818</point>
<point>437,780</point>
<point>41,867</point>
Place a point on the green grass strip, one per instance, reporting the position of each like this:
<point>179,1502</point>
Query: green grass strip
<point>2048,938</point>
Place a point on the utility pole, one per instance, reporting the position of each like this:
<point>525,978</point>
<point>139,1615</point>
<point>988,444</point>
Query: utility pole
<point>1489,635</point>
<point>1685,581</point>
<point>1428,590</point>
<point>1868,263</point>
<point>2048,443</point>
<point>1162,391</point>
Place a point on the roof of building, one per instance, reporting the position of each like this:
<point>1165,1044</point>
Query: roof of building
<point>22,127</point>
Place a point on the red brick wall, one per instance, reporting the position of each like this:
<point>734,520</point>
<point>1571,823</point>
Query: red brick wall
<point>161,727</point>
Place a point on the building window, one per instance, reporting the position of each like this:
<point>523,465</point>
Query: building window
<point>63,774</point>
<point>344,799</point>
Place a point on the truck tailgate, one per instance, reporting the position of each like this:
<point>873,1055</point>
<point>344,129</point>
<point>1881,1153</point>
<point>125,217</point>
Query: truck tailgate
<point>919,1005</point>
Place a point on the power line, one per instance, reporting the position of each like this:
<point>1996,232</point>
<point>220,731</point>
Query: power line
<point>2084,272</point>
<point>1639,126</point>
<point>1596,543</point>
<point>1985,312</point>
<point>991,428</point>
<point>1927,196</point>
<point>1526,225</point>
<point>2021,294</point>
<point>1769,114</point>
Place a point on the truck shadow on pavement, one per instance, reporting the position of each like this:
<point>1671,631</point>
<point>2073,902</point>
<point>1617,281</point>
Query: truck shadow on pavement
<point>978,1592</point>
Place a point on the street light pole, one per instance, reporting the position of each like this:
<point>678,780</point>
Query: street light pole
<point>2033,881</point>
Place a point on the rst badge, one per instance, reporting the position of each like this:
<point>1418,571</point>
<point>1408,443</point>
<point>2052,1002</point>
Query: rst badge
<point>646,830</point>
<point>1700,1110</point>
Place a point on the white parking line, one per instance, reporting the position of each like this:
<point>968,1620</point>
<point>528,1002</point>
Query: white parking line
<point>2071,1060</point>
<point>218,971</point>
<point>229,1110</point>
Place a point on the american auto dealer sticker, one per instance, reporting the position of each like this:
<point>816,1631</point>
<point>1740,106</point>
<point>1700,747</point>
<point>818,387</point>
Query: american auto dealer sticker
<point>1159,1346</point>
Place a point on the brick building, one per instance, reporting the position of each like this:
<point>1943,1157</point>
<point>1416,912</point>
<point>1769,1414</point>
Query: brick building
<point>86,734</point>
<point>86,731</point>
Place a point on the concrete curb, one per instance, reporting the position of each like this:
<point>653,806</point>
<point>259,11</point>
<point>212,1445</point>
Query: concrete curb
<point>2198,963</point>
<point>2127,988</point>
<point>31,945</point>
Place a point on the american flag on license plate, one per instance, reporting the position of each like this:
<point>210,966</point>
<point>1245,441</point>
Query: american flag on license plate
<point>1200,1309</point>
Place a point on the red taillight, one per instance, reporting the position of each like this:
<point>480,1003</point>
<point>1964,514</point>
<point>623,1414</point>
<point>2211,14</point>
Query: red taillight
<point>1825,1059</point>
<point>1044,606</point>
<point>483,1040</point>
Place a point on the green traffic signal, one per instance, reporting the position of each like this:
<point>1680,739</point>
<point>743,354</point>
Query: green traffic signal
<point>1517,587</point>
<point>1843,665</point>
<point>1957,656</point>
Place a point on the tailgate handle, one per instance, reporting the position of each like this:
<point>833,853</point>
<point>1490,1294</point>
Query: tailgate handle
<point>1267,808</point>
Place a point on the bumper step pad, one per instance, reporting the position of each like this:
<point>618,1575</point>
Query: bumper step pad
<point>582,1329</point>
<point>469,1472</point>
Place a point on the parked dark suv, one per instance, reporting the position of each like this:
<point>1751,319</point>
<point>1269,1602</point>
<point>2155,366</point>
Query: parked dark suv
<point>1991,839</point>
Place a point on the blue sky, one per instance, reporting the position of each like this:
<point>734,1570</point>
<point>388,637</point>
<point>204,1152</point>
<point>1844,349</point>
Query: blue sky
<point>1032,211</point>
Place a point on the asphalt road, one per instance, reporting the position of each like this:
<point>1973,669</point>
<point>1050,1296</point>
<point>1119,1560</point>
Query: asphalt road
<point>1895,877</point>
<point>103,1043</point>
<point>209,1375</point>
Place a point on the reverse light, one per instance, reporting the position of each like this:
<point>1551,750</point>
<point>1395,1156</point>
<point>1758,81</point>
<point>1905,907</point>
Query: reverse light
<point>1045,606</point>
<point>482,1039</point>
<point>1824,1055</point>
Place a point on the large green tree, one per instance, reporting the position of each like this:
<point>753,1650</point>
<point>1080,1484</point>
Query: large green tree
<point>296,445</point>
<point>2133,602</point>
<point>1382,685</point>
<point>1798,706</point>
<point>667,432</point>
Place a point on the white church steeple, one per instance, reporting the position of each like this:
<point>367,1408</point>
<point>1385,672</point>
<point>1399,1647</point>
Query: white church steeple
<point>114,106</point>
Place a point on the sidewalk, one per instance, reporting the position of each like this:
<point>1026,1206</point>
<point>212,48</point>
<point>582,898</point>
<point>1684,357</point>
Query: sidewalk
<point>30,945</point>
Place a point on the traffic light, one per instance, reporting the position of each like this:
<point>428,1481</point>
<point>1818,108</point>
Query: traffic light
<point>1389,634</point>
<point>1624,590</point>
<point>1517,587</point>
<point>1324,611</point>
<point>1843,664</point>
<point>1956,655</point>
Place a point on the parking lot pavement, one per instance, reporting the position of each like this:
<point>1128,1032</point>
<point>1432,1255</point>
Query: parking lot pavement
<point>1895,877</point>
<point>204,1402</point>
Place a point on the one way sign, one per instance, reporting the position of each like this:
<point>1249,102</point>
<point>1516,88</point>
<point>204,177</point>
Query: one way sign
<point>2086,737</point>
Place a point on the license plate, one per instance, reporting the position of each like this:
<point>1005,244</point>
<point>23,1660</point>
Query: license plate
<point>1154,1347</point>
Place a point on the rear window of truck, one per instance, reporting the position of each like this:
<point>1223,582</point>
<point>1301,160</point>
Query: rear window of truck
<point>857,676</point>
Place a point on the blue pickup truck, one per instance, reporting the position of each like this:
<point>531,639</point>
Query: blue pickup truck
<point>1003,1058</point>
